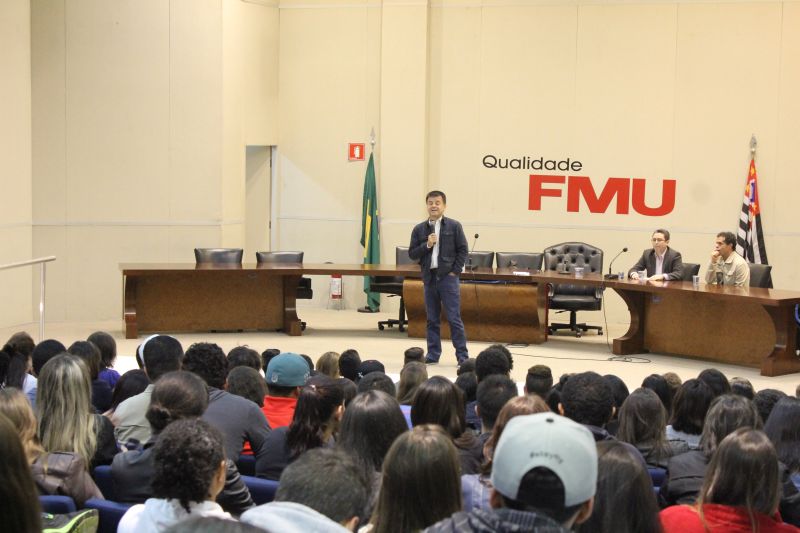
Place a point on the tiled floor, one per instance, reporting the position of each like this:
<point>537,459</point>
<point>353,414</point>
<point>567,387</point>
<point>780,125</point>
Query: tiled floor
<point>339,330</point>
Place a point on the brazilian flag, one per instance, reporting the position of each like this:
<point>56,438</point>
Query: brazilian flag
<point>370,235</point>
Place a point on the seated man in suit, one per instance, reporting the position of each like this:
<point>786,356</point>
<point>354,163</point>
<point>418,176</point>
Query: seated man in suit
<point>662,262</point>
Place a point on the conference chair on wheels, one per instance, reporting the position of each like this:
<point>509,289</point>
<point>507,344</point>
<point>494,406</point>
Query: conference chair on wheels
<point>519,261</point>
<point>218,255</point>
<point>760,275</point>
<point>565,257</point>
<point>689,270</point>
<point>304,290</point>
<point>393,286</point>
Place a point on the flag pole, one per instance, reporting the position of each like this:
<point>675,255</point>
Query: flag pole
<point>753,146</point>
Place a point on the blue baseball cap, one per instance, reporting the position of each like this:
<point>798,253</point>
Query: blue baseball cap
<point>287,370</point>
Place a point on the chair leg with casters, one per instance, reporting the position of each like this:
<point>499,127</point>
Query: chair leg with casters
<point>573,326</point>
<point>401,320</point>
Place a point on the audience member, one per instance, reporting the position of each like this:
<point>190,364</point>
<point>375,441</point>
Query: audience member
<point>238,419</point>
<point>189,460</point>
<point>539,380</point>
<point>411,376</point>
<point>286,374</point>
<point>377,381</point>
<point>244,356</point>
<point>689,412</point>
<point>765,401</point>
<point>177,395</point>
<point>369,366</point>
<point>742,387</point>
<point>685,472</point>
<point>22,342</point>
<point>587,399</point>
<point>19,501</point>
<point>328,364</point>
<point>727,503</point>
<point>674,381</point>
<point>642,423</point>
<point>783,429</point>
<point>316,418</point>
<point>160,354</point>
<point>66,423</point>
<point>468,365</point>
<point>129,384</point>
<point>476,488</point>
<point>490,361</point>
<point>101,390</point>
<point>245,381</point>
<point>439,401</point>
<point>349,388</point>
<point>620,393</point>
<point>502,348</point>
<point>213,524</point>
<point>468,383</point>
<point>624,501</point>
<point>309,364</point>
<point>108,354</point>
<point>57,473</point>
<point>266,357</point>
<point>493,393</point>
<point>716,380</point>
<point>14,372</point>
<point>349,363</point>
<point>420,482</point>
<point>414,354</point>
<point>323,490</point>
<point>659,385</point>
<point>546,484</point>
<point>43,352</point>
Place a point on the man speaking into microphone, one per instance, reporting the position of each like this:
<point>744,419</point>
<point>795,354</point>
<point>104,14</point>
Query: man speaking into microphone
<point>440,247</point>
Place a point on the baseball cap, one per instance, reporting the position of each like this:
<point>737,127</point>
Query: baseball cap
<point>551,441</point>
<point>287,370</point>
<point>371,365</point>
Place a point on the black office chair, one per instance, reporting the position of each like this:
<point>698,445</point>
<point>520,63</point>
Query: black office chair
<point>480,259</point>
<point>304,290</point>
<point>573,298</point>
<point>689,270</point>
<point>393,286</point>
<point>760,275</point>
<point>519,260</point>
<point>218,255</point>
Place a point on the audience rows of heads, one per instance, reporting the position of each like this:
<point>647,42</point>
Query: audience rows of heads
<point>350,449</point>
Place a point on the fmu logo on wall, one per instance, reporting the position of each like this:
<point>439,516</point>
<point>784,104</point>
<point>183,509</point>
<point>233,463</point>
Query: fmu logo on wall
<point>625,193</point>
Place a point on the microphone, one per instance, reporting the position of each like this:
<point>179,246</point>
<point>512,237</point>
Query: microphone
<point>469,265</point>
<point>610,275</point>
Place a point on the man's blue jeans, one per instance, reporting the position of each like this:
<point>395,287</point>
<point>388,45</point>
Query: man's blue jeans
<point>444,292</point>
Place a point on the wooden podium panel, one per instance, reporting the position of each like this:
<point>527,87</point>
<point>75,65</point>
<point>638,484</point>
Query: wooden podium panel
<point>203,300</point>
<point>493,312</point>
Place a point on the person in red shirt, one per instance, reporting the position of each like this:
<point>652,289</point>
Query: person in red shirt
<point>740,493</point>
<point>286,374</point>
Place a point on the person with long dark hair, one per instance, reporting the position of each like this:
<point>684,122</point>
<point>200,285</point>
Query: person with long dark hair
<point>783,429</point>
<point>689,410</point>
<point>740,493</point>
<point>420,483</point>
<point>624,501</point>
<point>19,501</point>
<point>642,423</point>
<point>317,415</point>
<point>439,401</point>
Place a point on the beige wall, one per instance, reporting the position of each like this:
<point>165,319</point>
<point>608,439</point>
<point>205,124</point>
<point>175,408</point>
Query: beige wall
<point>142,110</point>
<point>654,90</point>
<point>15,160</point>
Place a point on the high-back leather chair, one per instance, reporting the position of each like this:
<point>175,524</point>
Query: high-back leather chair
<point>304,290</point>
<point>480,259</point>
<point>760,275</point>
<point>574,298</point>
<point>689,270</point>
<point>393,286</point>
<point>218,255</point>
<point>519,260</point>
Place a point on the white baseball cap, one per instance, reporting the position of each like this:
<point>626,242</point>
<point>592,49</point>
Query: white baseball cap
<point>546,440</point>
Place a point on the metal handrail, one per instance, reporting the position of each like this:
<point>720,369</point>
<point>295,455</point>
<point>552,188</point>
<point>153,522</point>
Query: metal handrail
<point>42,277</point>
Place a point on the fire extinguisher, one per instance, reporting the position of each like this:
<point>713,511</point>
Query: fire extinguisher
<point>336,287</point>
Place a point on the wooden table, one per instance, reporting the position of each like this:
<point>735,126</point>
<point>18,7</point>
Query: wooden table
<point>747,326</point>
